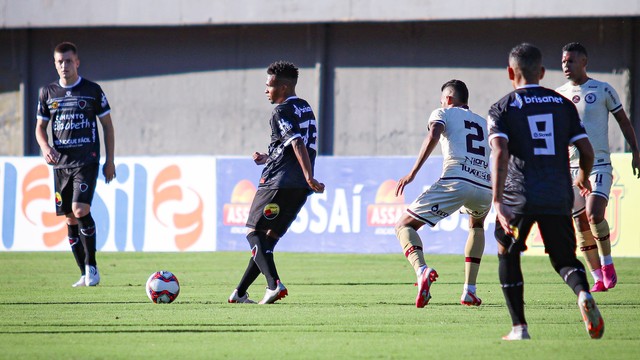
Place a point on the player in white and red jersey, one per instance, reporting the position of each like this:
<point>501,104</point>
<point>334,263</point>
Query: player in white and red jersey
<point>594,101</point>
<point>465,185</point>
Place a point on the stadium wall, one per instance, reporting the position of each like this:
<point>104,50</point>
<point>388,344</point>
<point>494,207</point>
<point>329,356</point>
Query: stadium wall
<point>200,203</point>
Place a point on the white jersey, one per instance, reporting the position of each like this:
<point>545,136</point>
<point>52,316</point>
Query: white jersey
<point>464,145</point>
<point>594,100</point>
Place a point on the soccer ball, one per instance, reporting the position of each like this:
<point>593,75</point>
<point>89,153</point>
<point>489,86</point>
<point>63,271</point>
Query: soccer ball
<point>163,287</point>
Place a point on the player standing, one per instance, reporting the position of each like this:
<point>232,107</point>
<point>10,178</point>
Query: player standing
<point>594,100</point>
<point>529,132</point>
<point>286,182</point>
<point>464,185</point>
<point>71,105</point>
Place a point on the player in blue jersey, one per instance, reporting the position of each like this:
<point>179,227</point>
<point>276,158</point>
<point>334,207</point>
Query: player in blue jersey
<point>71,105</point>
<point>529,132</point>
<point>286,182</point>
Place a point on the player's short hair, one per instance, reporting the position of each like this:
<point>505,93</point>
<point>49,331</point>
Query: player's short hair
<point>527,58</point>
<point>284,70</point>
<point>575,47</point>
<point>63,47</point>
<point>459,88</point>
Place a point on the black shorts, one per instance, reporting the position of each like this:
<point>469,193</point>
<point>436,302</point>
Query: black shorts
<point>557,234</point>
<point>276,209</point>
<point>74,185</point>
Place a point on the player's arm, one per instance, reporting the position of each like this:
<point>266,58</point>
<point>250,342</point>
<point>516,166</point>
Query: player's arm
<point>109,168</point>
<point>302,155</point>
<point>51,156</point>
<point>499,169</point>
<point>428,144</point>
<point>629,135</point>
<point>586,164</point>
<point>259,158</point>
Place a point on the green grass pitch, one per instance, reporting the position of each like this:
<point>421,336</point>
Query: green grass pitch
<point>340,306</point>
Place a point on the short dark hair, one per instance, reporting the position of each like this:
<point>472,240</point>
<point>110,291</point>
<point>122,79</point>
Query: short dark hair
<point>575,47</point>
<point>460,90</point>
<point>63,47</point>
<point>284,70</point>
<point>528,58</point>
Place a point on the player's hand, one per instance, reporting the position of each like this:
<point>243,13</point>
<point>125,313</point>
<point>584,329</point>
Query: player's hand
<point>51,156</point>
<point>583,184</point>
<point>260,158</point>
<point>316,186</point>
<point>505,215</point>
<point>109,171</point>
<point>635,164</point>
<point>402,183</point>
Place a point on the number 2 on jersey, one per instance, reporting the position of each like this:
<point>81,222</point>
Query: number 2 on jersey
<point>478,136</point>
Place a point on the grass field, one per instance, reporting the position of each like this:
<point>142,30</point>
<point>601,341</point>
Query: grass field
<point>340,306</point>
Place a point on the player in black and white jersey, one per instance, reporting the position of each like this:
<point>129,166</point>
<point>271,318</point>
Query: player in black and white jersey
<point>286,182</point>
<point>71,105</point>
<point>465,185</point>
<point>595,100</point>
<point>529,132</point>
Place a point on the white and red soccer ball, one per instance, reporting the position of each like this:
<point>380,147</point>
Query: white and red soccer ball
<point>163,287</point>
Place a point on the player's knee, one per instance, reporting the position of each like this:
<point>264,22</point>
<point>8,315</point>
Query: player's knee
<point>595,218</point>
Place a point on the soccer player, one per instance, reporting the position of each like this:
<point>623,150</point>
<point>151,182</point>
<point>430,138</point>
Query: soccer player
<point>286,182</point>
<point>464,185</point>
<point>71,105</point>
<point>594,100</point>
<point>529,132</point>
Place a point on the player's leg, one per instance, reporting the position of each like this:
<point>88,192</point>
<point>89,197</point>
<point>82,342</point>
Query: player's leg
<point>596,206</point>
<point>473,251</point>
<point>251,273</point>
<point>510,273</point>
<point>77,248</point>
<point>84,186</point>
<point>586,241</point>
<point>559,240</point>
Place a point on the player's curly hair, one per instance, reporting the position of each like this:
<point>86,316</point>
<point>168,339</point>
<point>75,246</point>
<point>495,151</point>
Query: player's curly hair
<point>284,70</point>
<point>575,47</point>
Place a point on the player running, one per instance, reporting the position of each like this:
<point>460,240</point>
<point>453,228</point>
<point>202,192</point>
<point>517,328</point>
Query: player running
<point>464,185</point>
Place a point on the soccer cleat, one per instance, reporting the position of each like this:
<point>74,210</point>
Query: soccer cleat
<point>591,315</point>
<point>271,296</point>
<point>598,286</point>
<point>92,276</point>
<point>79,282</point>
<point>426,278</point>
<point>518,332</point>
<point>609,277</point>
<point>235,299</point>
<point>470,299</point>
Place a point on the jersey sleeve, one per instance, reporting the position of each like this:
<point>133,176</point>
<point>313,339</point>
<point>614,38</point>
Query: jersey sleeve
<point>102,106</point>
<point>43,112</point>
<point>437,116</point>
<point>496,122</point>
<point>285,128</point>
<point>612,99</point>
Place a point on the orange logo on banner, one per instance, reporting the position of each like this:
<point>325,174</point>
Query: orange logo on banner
<point>34,189</point>
<point>387,208</point>
<point>163,191</point>
<point>237,212</point>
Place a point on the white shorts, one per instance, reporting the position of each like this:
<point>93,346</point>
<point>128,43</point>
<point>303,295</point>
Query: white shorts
<point>601,179</point>
<point>446,196</point>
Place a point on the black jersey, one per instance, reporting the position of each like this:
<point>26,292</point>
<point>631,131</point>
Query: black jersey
<point>292,119</point>
<point>539,124</point>
<point>73,110</point>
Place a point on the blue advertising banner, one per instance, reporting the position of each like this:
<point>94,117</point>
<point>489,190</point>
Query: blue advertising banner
<point>356,213</point>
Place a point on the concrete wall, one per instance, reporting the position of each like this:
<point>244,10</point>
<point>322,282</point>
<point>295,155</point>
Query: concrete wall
<point>199,89</point>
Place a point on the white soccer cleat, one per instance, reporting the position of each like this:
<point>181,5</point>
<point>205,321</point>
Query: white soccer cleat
<point>235,299</point>
<point>518,332</point>
<point>80,282</point>
<point>470,299</point>
<point>272,296</point>
<point>426,278</point>
<point>591,315</point>
<point>92,276</point>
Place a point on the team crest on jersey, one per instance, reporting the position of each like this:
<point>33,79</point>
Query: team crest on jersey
<point>590,98</point>
<point>84,187</point>
<point>58,199</point>
<point>575,99</point>
<point>55,105</point>
<point>82,104</point>
<point>271,211</point>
